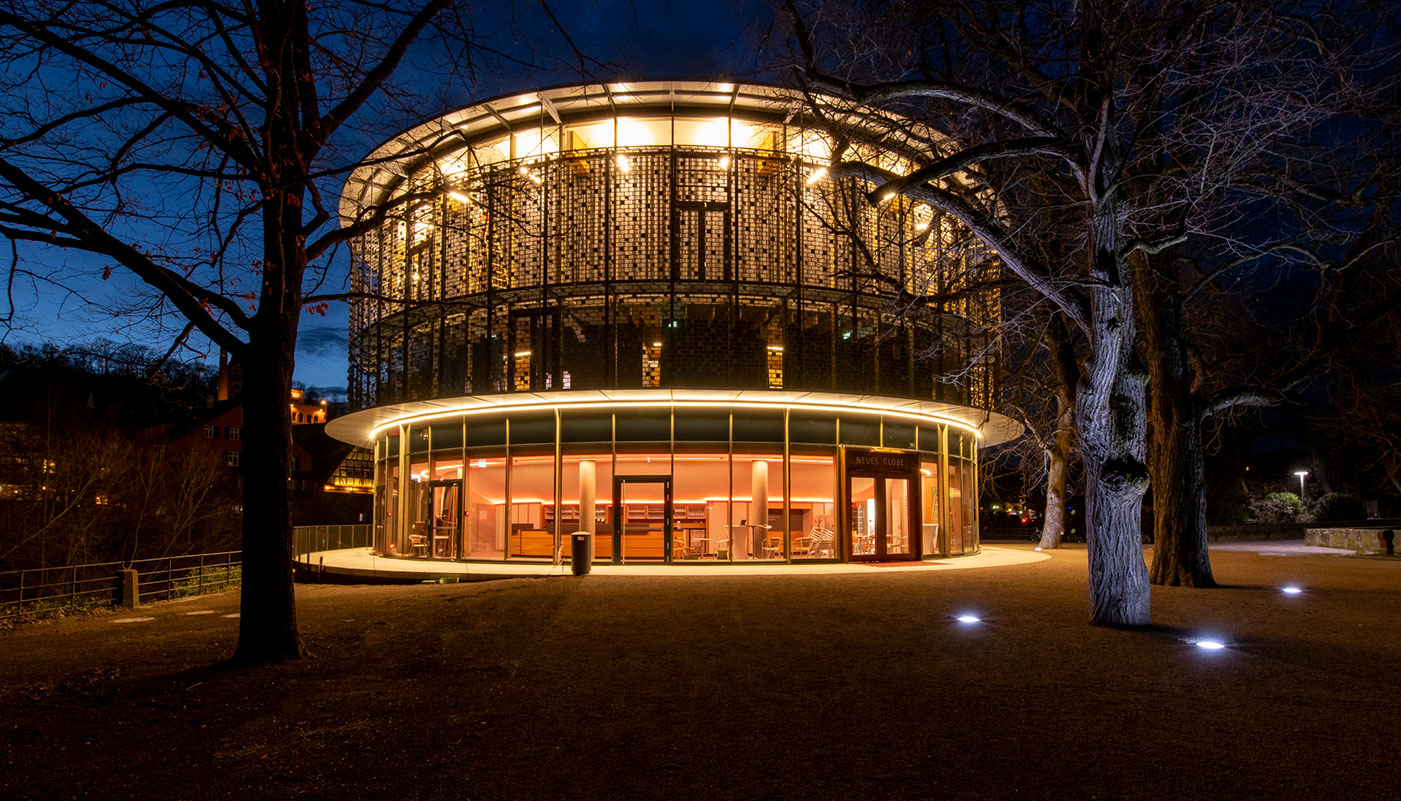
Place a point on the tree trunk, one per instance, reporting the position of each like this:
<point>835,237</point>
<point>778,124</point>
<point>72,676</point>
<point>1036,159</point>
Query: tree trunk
<point>1110,407</point>
<point>1176,464</point>
<point>1110,410</point>
<point>1062,362</point>
<point>268,625</point>
<point>267,629</point>
<point>1053,521</point>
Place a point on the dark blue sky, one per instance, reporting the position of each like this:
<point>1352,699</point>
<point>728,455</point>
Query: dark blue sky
<point>632,40</point>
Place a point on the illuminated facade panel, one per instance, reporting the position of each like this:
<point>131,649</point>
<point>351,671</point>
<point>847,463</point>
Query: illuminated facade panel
<point>678,237</point>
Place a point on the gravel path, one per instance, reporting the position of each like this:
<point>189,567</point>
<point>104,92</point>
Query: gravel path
<point>718,688</point>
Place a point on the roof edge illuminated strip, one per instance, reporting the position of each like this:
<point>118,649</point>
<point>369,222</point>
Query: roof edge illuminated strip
<point>623,403</point>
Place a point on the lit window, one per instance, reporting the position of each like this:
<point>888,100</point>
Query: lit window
<point>231,458</point>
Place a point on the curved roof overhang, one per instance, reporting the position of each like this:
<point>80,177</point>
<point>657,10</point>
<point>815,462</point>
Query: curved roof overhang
<point>384,169</point>
<point>361,428</point>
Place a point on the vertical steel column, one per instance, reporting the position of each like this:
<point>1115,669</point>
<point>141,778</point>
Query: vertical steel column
<point>787,484</point>
<point>945,513</point>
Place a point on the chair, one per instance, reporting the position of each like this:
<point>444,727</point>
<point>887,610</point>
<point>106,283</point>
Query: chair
<point>823,543</point>
<point>773,546</point>
<point>419,543</point>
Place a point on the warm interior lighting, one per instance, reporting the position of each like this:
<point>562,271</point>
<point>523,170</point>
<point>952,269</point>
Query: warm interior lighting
<point>459,197</point>
<point>778,348</point>
<point>817,175</point>
<point>624,164</point>
<point>522,353</point>
<point>724,162</point>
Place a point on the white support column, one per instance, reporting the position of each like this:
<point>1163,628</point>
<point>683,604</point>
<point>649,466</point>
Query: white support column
<point>758,506</point>
<point>588,491</point>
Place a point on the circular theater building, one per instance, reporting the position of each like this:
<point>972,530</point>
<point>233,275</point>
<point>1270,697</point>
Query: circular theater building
<point>647,311</point>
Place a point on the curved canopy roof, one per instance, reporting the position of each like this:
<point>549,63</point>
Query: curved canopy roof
<point>360,428</point>
<point>384,169</point>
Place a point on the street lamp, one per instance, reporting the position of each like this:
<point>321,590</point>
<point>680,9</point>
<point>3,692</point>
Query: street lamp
<point>1301,475</point>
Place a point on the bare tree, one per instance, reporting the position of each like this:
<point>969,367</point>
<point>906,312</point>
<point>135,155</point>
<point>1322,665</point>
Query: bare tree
<point>197,145</point>
<point>1098,95</point>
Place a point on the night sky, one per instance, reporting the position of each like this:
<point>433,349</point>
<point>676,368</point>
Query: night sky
<point>629,41</point>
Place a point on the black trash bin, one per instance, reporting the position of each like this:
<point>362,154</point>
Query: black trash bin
<point>581,552</point>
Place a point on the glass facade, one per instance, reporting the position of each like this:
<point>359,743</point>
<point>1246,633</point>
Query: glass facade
<point>703,246</point>
<point>675,484</point>
<point>548,282</point>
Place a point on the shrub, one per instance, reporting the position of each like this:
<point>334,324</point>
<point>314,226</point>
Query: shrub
<point>1335,506</point>
<point>1277,507</point>
<point>210,578</point>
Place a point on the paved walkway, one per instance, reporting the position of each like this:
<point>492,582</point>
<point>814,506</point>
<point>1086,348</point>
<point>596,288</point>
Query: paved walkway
<point>361,563</point>
<point>864,685</point>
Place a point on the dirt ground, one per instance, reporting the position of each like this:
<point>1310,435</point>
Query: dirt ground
<point>814,687</point>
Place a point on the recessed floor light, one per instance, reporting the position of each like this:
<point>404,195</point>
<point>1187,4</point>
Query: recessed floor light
<point>968,619</point>
<point>1291,590</point>
<point>1210,645</point>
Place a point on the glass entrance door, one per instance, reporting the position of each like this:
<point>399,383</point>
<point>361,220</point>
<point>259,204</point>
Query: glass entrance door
<point>445,518</point>
<point>880,518</point>
<point>642,519</point>
<point>894,541</point>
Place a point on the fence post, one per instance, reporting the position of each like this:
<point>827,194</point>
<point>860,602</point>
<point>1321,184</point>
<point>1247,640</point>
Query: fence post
<point>130,594</point>
<point>201,574</point>
<point>169,582</point>
<point>73,587</point>
<point>21,587</point>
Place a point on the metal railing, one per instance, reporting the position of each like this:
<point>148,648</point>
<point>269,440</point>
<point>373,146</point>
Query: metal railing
<point>310,539</point>
<point>98,584</point>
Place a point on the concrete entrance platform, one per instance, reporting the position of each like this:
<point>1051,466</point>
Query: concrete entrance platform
<point>359,565</point>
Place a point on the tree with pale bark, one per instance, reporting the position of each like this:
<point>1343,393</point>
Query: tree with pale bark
<point>1099,96</point>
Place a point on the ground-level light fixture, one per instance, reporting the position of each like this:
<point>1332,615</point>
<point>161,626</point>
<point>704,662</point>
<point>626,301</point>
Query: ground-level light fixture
<point>1209,645</point>
<point>1301,474</point>
<point>1290,590</point>
<point>968,619</point>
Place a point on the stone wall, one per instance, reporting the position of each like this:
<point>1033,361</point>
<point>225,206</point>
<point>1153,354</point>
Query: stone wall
<point>1362,540</point>
<point>1255,531</point>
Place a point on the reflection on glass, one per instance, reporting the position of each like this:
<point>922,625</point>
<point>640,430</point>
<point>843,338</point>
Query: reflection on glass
<point>532,490</point>
<point>970,509</point>
<point>486,508</point>
<point>757,526</point>
<point>643,511</point>
<point>814,488</point>
<point>446,498</point>
<point>929,506</point>
<point>863,516</point>
<point>956,511</point>
<point>700,491</point>
<point>416,512</point>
